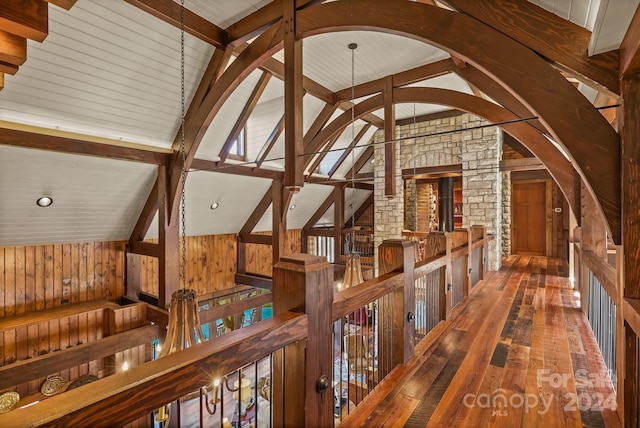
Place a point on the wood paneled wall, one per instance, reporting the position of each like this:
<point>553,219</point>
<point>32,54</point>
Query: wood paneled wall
<point>211,265</point>
<point>211,262</point>
<point>38,277</point>
<point>62,330</point>
<point>259,257</point>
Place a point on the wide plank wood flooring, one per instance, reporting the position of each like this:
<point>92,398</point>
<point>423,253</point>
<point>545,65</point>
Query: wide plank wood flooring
<point>517,353</point>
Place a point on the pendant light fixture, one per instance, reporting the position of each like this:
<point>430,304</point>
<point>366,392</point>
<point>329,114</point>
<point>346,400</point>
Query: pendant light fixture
<point>353,268</point>
<point>184,322</point>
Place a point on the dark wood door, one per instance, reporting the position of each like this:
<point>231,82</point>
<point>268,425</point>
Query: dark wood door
<point>528,218</point>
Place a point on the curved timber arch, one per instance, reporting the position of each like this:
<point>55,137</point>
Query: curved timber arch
<point>571,119</point>
<point>559,167</point>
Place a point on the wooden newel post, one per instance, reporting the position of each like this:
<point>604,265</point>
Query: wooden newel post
<point>448,276</point>
<point>304,283</point>
<point>398,254</point>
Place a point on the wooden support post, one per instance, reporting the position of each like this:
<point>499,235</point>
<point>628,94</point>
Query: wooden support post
<point>630,149</point>
<point>448,290</point>
<point>631,379</point>
<point>304,283</point>
<point>620,333</point>
<point>169,243</point>
<point>398,254</point>
<point>293,94</point>
<point>280,198</point>
<point>338,222</point>
<point>389,137</point>
<point>242,256</point>
<point>467,282</point>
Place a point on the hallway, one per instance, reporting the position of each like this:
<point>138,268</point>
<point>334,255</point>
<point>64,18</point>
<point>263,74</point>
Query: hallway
<point>518,352</point>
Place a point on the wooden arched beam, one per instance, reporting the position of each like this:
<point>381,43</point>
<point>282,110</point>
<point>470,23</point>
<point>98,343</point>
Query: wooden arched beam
<point>559,167</point>
<point>197,123</point>
<point>573,122</point>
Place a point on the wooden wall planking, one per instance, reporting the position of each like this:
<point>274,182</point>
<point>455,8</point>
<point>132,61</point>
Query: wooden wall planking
<point>68,331</point>
<point>211,262</point>
<point>259,257</point>
<point>39,277</point>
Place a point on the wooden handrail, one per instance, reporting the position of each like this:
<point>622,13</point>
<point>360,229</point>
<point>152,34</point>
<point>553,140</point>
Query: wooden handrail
<point>44,365</point>
<point>254,280</point>
<point>460,251</point>
<point>631,312</point>
<point>604,272</point>
<point>429,265</point>
<point>229,309</point>
<point>126,396</point>
<point>354,298</point>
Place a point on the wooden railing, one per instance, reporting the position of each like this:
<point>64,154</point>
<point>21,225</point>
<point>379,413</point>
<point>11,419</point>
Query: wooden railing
<point>308,343</point>
<point>126,396</point>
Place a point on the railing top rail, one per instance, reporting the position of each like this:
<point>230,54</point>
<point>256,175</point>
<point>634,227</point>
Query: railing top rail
<point>126,396</point>
<point>603,271</point>
<point>352,299</point>
<point>429,265</point>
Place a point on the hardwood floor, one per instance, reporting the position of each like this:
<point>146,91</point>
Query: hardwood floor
<point>517,353</point>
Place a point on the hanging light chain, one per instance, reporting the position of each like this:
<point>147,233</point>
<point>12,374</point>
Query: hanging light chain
<point>183,235</point>
<point>353,47</point>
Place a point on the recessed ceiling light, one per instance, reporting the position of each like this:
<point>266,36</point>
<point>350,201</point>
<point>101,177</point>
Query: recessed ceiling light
<point>373,161</point>
<point>44,201</point>
<point>215,205</point>
<point>292,207</point>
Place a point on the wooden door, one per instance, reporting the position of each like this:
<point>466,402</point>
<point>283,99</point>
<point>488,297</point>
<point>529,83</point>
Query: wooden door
<point>528,218</point>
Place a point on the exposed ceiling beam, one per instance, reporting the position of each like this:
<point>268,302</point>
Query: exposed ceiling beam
<point>169,12</point>
<point>630,47</point>
<point>226,168</point>
<point>320,157</point>
<point>498,93</point>
<point>33,140</point>
<point>516,145</point>
<point>25,18</point>
<point>430,116</point>
<point>442,170</point>
<point>407,77</point>
<point>217,63</point>
<point>13,49</point>
<point>348,150</point>
<point>244,115</point>
<point>65,4</point>
<point>324,206</point>
<point>8,68</point>
<point>256,215</point>
<point>146,216</point>
<point>558,40</point>
<point>524,164</point>
<point>611,114</point>
<point>293,102</point>
<point>362,160</point>
<point>196,125</point>
<point>1,81</point>
<point>253,24</point>
<point>368,203</point>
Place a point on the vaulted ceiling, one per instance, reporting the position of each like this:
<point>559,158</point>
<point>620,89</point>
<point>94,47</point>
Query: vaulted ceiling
<point>108,73</point>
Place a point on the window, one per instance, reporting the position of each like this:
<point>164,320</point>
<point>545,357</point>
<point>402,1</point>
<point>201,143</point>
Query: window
<point>239,146</point>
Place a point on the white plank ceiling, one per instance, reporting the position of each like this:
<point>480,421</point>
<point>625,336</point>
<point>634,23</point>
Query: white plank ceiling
<point>94,199</point>
<point>108,69</point>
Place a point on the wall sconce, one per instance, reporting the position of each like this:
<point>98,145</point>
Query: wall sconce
<point>163,415</point>
<point>241,392</point>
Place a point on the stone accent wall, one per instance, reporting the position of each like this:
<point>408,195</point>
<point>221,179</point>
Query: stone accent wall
<point>411,204</point>
<point>506,214</point>
<point>478,150</point>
